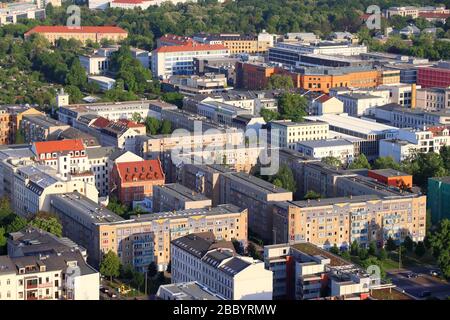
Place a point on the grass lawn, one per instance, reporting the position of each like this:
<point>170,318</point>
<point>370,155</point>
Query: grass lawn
<point>410,259</point>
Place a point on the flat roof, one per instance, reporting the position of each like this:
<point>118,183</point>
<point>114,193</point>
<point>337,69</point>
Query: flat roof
<point>190,291</point>
<point>354,124</point>
<point>313,250</point>
<point>389,173</point>
<point>442,179</point>
<point>288,123</point>
<point>325,143</point>
<point>254,182</point>
<point>180,191</point>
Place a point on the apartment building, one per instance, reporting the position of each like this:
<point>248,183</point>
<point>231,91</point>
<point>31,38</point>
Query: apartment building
<point>33,185</point>
<point>39,127</point>
<point>174,196</point>
<point>323,104</point>
<point>112,111</point>
<point>178,60</point>
<point>289,133</point>
<point>239,43</point>
<point>288,53</point>
<point>337,148</point>
<point>190,291</point>
<point>121,133</point>
<point>98,160</point>
<point>82,34</point>
<point>400,117</point>
<point>173,40</point>
<point>198,257</point>
<point>437,200</point>
<point>134,181</point>
<point>371,132</point>
<point>303,271</point>
<point>391,177</point>
<point>144,238</point>
<point>341,221</point>
<point>358,104</point>
<point>4,126</point>
<point>433,99</point>
<point>408,142</point>
<point>14,115</point>
<point>10,13</point>
<point>222,113</point>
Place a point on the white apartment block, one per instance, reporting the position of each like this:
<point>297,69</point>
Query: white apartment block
<point>337,148</point>
<point>10,13</point>
<point>409,141</point>
<point>234,277</point>
<point>98,161</point>
<point>178,60</point>
<point>94,64</point>
<point>62,276</point>
<point>289,133</point>
<point>357,104</point>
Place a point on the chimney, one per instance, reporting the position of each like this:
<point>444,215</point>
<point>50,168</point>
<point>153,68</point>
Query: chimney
<point>413,96</point>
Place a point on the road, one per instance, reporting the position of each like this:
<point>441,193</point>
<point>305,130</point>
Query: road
<point>424,282</point>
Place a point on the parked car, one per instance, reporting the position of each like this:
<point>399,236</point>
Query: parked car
<point>104,290</point>
<point>435,273</point>
<point>112,295</point>
<point>411,275</point>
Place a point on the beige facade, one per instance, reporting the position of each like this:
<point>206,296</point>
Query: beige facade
<point>175,196</point>
<point>99,230</point>
<point>291,132</point>
<point>341,221</point>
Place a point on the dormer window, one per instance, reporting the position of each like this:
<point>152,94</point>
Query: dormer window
<point>54,155</point>
<point>71,153</point>
<point>82,152</point>
<point>77,153</point>
<point>42,156</point>
<point>48,156</point>
<point>21,270</point>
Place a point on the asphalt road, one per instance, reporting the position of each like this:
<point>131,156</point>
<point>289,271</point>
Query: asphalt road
<point>424,282</point>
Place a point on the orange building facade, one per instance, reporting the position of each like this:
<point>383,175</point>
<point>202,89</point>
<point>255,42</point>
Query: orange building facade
<point>256,77</point>
<point>392,177</point>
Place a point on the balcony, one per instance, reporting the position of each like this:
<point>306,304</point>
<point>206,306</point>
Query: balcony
<point>30,286</point>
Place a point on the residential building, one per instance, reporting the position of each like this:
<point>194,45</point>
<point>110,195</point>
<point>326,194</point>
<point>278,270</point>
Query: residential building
<point>222,113</point>
<point>438,197</point>
<point>133,181</point>
<point>15,114</point>
<point>4,126</point>
<point>324,104</point>
<point>98,160</point>
<point>189,291</point>
<point>89,141</point>
<point>433,99</point>
<point>94,64</point>
<point>178,60</point>
<point>410,11</point>
<point>397,116</point>
<point>173,40</point>
<point>197,257</point>
<point>340,221</point>
<point>303,271</point>
<point>104,83</point>
<point>192,85</point>
<point>239,43</point>
<point>54,277</point>
<point>289,133</point>
<point>145,238</point>
<point>39,127</point>
<point>10,13</point>
<point>176,197</point>
<point>392,177</point>
<point>83,33</point>
<point>370,131</point>
<point>358,104</point>
<point>337,148</point>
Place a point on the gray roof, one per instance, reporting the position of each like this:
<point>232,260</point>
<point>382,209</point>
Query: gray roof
<point>196,244</point>
<point>255,183</point>
<point>215,257</point>
<point>100,152</point>
<point>325,143</point>
<point>190,291</point>
<point>182,192</point>
<point>234,266</point>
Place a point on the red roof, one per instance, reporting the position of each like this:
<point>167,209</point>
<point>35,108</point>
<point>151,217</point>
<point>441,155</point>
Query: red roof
<point>324,98</point>
<point>101,122</point>
<point>145,170</point>
<point>130,124</point>
<point>431,15</point>
<point>191,47</point>
<point>58,146</point>
<point>82,29</point>
<point>179,40</point>
<point>130,1</point>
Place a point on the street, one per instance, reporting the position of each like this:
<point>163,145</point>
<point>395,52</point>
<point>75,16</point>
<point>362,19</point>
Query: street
<point>424,283</point>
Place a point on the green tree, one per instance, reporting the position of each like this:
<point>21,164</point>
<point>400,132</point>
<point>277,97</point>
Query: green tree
<point>292,106</point>
<point>354,248</point>
<point>74,93</point>
<point>360,162</point>
<point>382,254</point>
<point>136,117</point>
<point>408,243</point>
<point>420,249</point>
<point>345,255</point>
<point>312,195</point>
<point>390,244</point>
<point>251,250</point>
<point>372,248</point>
<point>110,265</point>
<point>284,178</point>
<point>77,75</point>
<point>152,125</point>
<point>152,269</point>
<point>332,161</point>
<point>278,81</point>
<point>363,254</point>
<point>386,163</point>
<point>445,155</point>
<point>166,127</point>
<point>49,224</point>
<point>3,241</point>
<point>17,224</point>
<point>334,249</point>
<point>269,115</point>
<point>440,244</point>
<point>175,98</point>
<point>118,208</point>
<point>138,280</point>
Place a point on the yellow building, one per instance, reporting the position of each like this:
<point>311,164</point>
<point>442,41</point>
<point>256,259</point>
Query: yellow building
<point>83,34</point>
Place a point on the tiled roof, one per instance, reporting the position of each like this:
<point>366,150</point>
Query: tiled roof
<point>172,38</point>
<point>101,122</point>
<point>145,170</point>
<point>191,47</point>
<point>324,98</point>
<point>130,124</point>
<point>83,29</point>
<point>59,146</point>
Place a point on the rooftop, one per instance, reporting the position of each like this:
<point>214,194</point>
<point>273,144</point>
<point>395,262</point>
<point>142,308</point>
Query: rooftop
<point>182,192</point>
<point>353,124</point>
<point>325,143</point>
<point>255,183</point>
<point>389,173</point>
<point>82,29</point>
<point>313,250</point>
<point>144,170</point>
<point>191,47</point>
<point>58,146</point>
<point>190,291</point>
